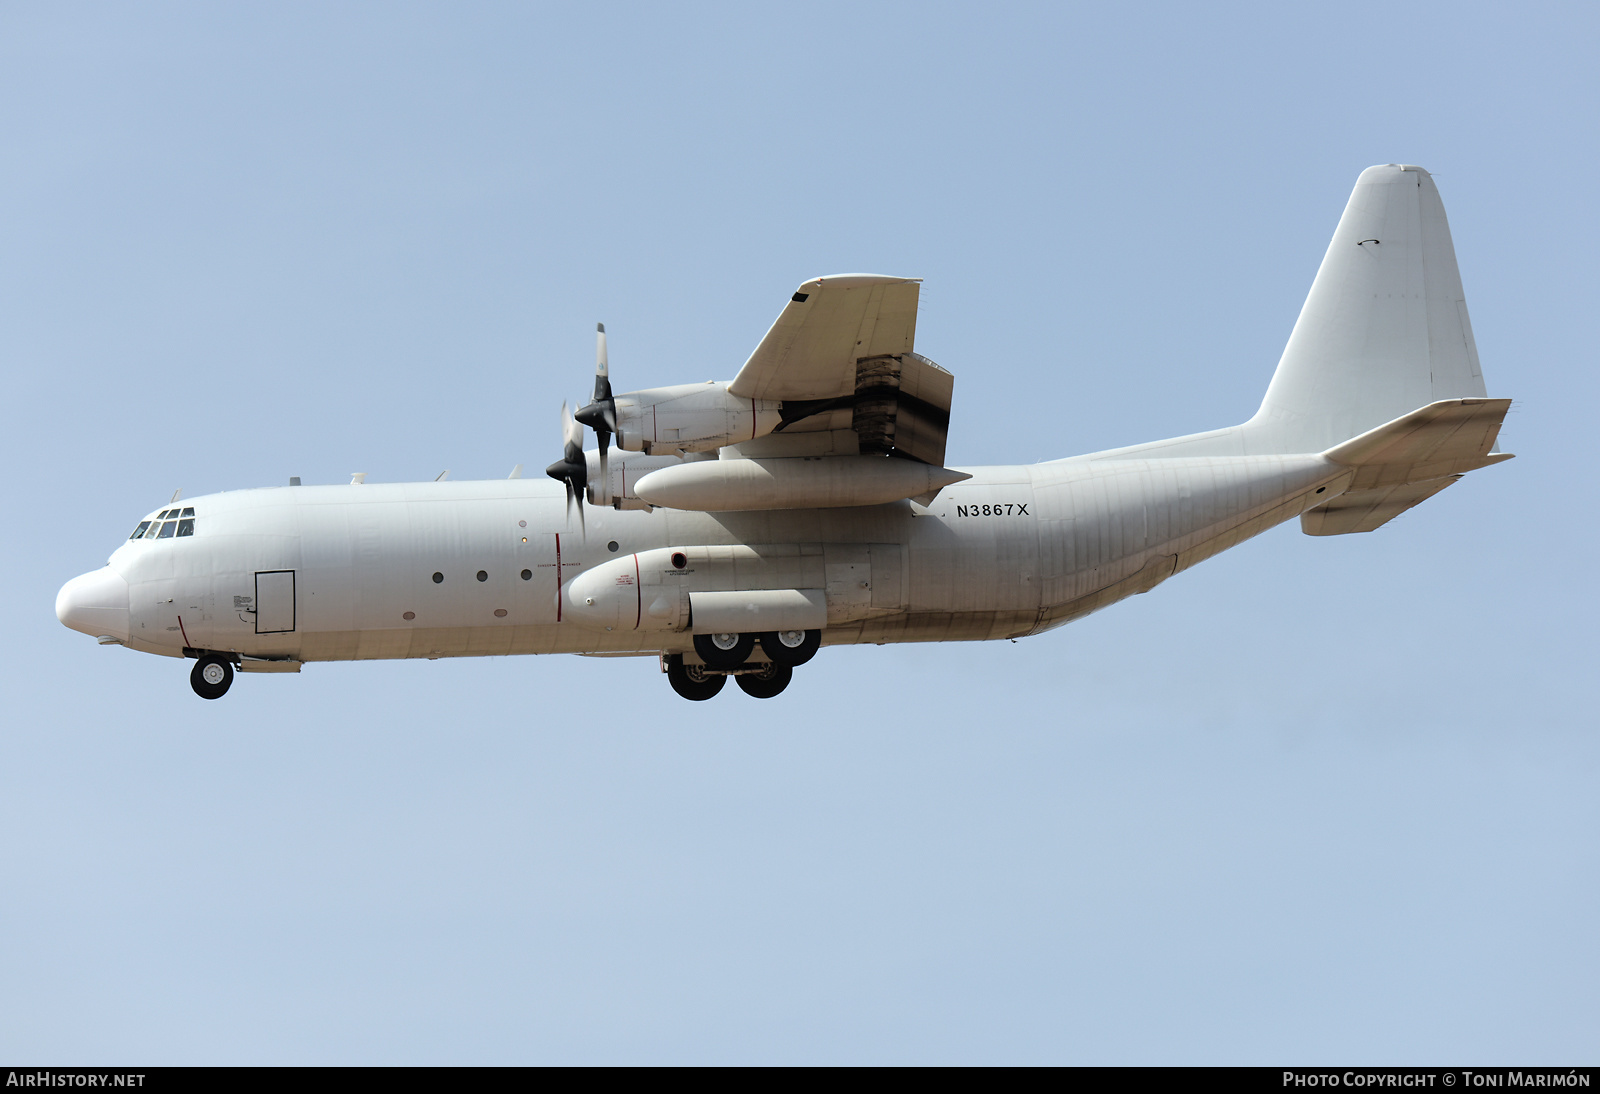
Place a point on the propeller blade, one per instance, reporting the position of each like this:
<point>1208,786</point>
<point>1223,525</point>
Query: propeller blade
<point>602,373</point>
<point>601,413</point>
<point>571,432</point>
<point>572,469</point>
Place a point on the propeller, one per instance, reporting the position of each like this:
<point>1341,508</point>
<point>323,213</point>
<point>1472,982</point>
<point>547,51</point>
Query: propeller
<point>572,468</point>
<point>601,413</point>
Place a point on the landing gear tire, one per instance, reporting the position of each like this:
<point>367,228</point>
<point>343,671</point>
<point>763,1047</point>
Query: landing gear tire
<point>792,648</point>
<point>691,681</point>
<point>211,677</point>
<point>766,683</point>
<point>724,651</point>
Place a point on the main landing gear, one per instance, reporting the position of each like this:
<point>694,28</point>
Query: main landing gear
<point>765,682</point>
<point>211,677</point>
<point>727,655</point>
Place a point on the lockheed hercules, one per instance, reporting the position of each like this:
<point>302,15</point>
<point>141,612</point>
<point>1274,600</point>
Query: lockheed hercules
<point>732,528</point>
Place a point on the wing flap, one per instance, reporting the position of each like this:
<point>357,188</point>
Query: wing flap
<point>922,409</point>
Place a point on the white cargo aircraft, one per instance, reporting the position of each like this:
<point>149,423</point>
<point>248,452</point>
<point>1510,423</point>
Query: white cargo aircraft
<point>805,502</point>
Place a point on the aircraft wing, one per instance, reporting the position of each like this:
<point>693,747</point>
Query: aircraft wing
<point>840,357</point>
<point>828,325</point>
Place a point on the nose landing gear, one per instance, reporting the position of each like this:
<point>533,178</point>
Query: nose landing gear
<point>211,677</point>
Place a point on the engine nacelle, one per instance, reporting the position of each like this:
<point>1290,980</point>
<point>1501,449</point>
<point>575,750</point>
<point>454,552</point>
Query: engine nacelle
<point>691,418</point>
<point>618,488</point>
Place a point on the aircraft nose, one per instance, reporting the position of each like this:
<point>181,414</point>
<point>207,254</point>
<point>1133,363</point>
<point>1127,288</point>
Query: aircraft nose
<point>96,604</point>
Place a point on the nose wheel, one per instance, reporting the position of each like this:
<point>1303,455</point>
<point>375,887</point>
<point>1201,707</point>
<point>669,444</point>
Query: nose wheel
<point>211,677</point>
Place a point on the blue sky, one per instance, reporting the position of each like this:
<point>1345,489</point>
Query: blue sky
<point>1314,801</point>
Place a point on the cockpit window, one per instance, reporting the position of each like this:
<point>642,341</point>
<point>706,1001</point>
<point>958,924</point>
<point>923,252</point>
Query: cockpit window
<point>167,524</point>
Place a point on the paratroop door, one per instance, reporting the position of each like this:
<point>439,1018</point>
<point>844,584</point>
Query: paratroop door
<point>274,601</point>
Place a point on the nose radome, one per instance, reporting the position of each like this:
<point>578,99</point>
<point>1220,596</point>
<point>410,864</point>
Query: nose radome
<point>96,604</point>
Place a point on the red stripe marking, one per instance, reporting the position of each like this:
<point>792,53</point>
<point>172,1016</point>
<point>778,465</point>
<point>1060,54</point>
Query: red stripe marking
<point>183,632</point>
<point>638,615</point>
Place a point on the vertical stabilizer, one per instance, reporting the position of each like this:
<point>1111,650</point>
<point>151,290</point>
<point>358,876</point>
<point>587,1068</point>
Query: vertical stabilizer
<point>1385,329</point>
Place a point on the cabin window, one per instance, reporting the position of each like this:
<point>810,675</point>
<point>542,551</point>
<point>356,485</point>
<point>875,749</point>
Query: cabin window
<point>188,513</point>
<point>527,575</point>
<point>167,528</point>
<point>186,526</point>
<point>483,575</point>
<point>144,526</point>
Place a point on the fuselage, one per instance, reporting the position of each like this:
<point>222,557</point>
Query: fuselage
<point>451,569</point>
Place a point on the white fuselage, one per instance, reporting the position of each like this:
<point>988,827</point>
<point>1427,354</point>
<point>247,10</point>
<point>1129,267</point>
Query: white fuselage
<point>323,573</point>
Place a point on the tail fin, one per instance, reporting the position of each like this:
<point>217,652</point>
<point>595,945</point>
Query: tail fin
<point>1385,329</point>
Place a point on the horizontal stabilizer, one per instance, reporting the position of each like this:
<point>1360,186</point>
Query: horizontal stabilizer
<point>1449,437</point>
<point>1366,510</point>
<point>1407,461</point>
